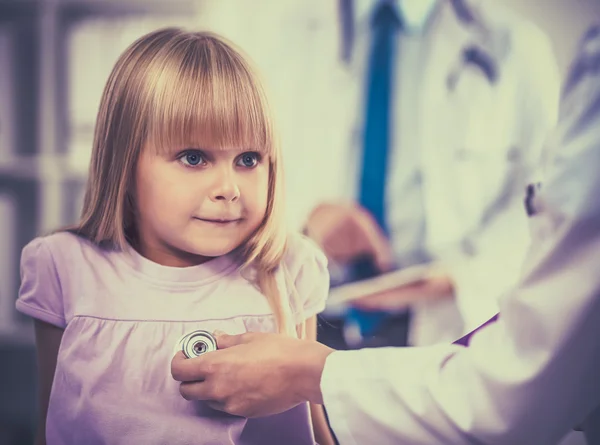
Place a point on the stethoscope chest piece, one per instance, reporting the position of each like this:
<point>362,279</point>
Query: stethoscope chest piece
<point>196,343</point>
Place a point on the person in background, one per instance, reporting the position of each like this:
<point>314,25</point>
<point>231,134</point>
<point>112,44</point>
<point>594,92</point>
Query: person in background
<point>454,100</point>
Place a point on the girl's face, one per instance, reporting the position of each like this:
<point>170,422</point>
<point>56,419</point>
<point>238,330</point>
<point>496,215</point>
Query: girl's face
<point>195,204</point>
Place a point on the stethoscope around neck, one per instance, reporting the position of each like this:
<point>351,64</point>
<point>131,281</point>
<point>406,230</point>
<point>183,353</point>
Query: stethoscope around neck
<point>484,55</point>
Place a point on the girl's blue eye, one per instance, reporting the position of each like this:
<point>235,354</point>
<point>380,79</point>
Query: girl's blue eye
<point>249,159</point>
<point>192,158</point>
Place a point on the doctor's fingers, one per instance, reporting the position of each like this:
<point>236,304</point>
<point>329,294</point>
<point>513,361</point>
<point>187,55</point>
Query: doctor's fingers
<point>203,391</point>
<point>191,369</point>
<point>342,247</point>
<point>358,235</point>
<point>376,243</point>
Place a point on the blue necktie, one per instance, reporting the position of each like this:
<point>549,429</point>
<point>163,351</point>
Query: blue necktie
<point>376,136</point>
<point>376,140</point>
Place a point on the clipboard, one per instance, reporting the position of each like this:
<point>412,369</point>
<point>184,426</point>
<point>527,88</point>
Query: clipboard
<point>346,293</point>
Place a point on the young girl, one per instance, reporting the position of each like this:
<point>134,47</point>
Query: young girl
<point>181,229</point>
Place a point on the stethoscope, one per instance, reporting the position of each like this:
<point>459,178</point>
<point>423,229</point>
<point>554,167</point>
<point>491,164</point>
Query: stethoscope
<point>485,55</point>
<point>196,343</point>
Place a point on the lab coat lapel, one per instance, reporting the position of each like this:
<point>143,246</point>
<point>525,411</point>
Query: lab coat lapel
<point>446,122</point>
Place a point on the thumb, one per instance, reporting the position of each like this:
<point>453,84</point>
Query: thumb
<point>381,250</point>
<point>378,245</point>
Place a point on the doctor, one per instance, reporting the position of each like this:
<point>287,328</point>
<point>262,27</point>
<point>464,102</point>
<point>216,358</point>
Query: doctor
<point>454,98</point>
<point>526,379</point>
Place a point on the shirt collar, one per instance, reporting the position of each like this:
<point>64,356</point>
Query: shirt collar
<point>415,13</point>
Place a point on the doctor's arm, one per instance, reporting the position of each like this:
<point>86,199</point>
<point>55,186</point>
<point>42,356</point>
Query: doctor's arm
<point>491,260</point>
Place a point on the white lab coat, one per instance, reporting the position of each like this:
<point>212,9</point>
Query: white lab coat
<point>533,375</point>
<point>478,144</point>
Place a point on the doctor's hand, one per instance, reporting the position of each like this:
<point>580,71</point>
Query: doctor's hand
<point>436,287</point>
<point>346,232</point>
<point>254,374</point>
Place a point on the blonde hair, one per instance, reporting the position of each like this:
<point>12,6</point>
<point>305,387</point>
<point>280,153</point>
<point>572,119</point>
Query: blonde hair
<point>178,89</point>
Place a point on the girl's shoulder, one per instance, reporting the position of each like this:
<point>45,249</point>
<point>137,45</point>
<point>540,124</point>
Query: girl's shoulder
<point>60,250</point>
<point>49,266</point>
<point>302,252</point>
<point>306,276</point>
<point>57,244</point>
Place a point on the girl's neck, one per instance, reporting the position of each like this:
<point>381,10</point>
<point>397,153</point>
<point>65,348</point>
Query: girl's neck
<point>166,255</point>
<point>171,257</point>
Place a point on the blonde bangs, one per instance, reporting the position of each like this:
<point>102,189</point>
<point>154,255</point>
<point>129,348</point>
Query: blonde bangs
<point>206,96</point>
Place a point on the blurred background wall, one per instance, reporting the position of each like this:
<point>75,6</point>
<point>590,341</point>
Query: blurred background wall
<point>55,56</point>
